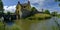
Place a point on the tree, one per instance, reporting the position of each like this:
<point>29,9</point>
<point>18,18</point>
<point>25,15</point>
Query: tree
<point>47,12</point>
<point>57,1</point>
<point>8,13</point>
<point>54,13</point>
<point>33,10</point>
<point>1,6</point>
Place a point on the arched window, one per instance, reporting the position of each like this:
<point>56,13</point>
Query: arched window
<point>18,11</point>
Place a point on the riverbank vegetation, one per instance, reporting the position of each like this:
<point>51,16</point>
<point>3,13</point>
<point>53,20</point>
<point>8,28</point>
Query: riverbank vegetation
<point>58,15</point>
<point>1,26</point>
<point>6,27</point>
<point>39,17</point>
<point>55,14</point>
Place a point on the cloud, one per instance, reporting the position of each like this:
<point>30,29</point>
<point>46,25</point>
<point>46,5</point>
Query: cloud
<point>37,3</point>
<point>10,8</point>
<point>34,3</point>
<point>51,5</point>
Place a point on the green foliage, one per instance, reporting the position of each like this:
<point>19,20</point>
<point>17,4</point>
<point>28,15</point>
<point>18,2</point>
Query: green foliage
<point>54,13</point>
<point>39,17</point>
<point>1,4</point>
<point>57,0</point>
<point>33,8</point>
<point>8,13</point>
<point>58,15</point>
<point>47,12</point>
<point>14,27</point>
<point>1,7</point>
<point>59,4</point>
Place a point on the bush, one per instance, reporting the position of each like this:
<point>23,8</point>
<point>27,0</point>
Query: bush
<point>39,17</point>
<point>47,12</point>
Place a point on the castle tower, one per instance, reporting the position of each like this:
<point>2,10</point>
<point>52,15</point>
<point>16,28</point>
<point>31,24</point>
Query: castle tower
<point>29,2</point>
<point>18,10</point>
<point>29,6</point>
<point>23,9</point>
<point>26,6</point>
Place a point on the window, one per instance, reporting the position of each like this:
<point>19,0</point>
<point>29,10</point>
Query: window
<point>18,11</point>
<point>24,6</point>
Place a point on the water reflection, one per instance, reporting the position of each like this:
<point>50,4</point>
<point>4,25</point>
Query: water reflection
<point>48,24</point>
<point>45,25</point>
<point>9,23</point>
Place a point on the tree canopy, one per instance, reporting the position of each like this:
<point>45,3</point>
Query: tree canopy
<point>33,8</point>
<point>54,13</point>
<point>1,6</point>
<point>47,12</point>
<point>58,1</point>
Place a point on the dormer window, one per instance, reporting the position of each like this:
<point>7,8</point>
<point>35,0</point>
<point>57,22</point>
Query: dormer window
<point>24,6</point>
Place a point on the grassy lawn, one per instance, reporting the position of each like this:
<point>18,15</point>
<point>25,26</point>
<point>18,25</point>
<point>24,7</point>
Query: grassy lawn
<point>1,26</point>
<point>39,17</point>
<point>58,16</point>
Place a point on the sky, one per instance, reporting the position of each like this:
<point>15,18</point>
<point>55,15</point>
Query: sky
<point>51,5</point>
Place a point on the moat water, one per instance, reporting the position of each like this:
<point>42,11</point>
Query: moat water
<point>49,24</point>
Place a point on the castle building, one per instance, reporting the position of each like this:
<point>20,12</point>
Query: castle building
<point>22,9</point>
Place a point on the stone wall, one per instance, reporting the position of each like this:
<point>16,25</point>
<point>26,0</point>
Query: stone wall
<point>25,13</point>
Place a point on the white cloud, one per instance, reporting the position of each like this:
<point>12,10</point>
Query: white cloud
<point>10,8</point>
<point>40,5</point>
<point>44,4</point>
<point>36,1</point>
<point>40,2</point>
